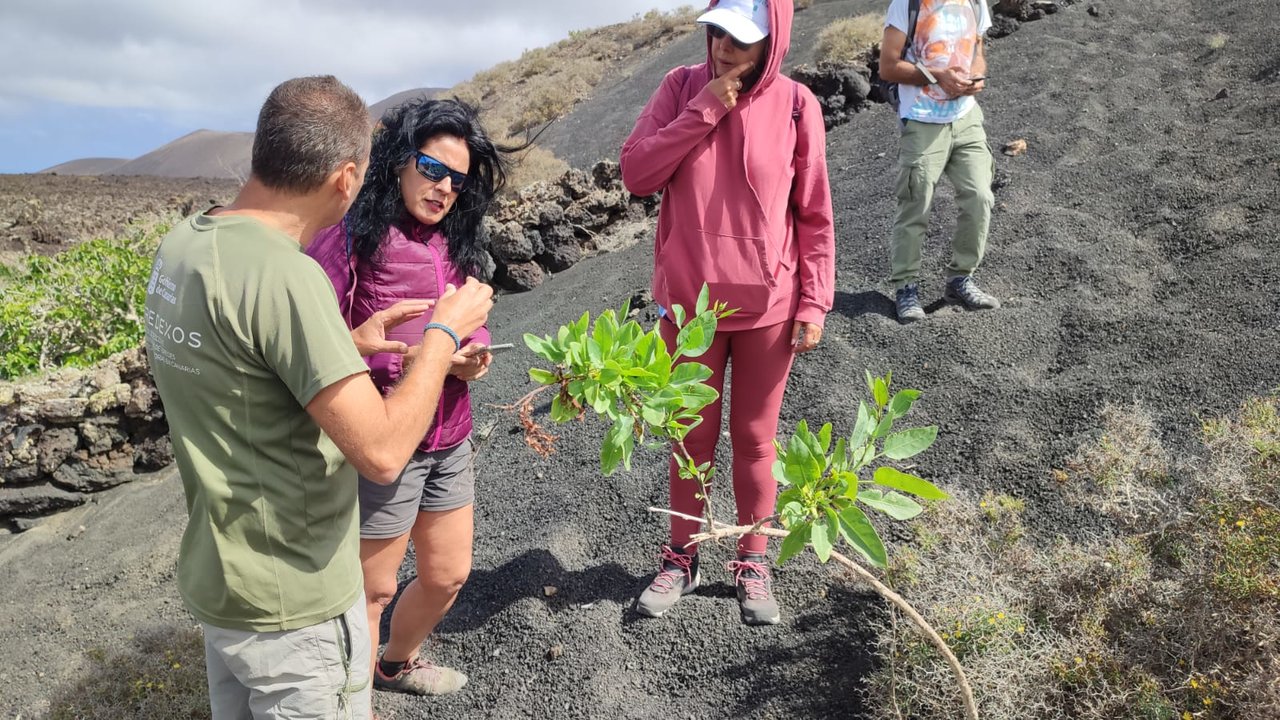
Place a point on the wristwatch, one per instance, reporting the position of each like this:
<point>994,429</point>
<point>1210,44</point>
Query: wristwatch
<point>927,75</point>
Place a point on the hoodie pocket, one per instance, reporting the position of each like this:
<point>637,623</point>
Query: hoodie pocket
<point>735,269</point>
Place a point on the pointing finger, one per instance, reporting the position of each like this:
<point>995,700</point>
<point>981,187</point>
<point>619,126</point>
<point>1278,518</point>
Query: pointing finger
<point>738,71</point>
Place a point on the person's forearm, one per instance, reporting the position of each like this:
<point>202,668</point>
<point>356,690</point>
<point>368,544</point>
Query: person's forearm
<point>410,408</point>
<point>904,73</point>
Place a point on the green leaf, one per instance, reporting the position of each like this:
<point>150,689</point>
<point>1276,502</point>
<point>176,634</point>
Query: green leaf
<point>902,401</point>
<point>880,392</point>
<point>604,332</point>
<point>698,396</point>
<point>896,506</point>
<point>653,414</point>
<point>690,372</point>
<point>611,451</point>
<point>704,300</point>
<point>562,411</point>
<point>886,424</point>
<point>802,466</point>
<point>792,513</point>
<point>814,444</point>
<point>794,542</point>
<point>861,535</point>
<point>696,337</point>
<point>677,314</point>
<point>780,472</point>
<point>543,377</point>
<point>594,352</point>
<point>898,480</point>
<point>840,458</point>
<point>536,344</point>
<point>824,438</point>
<point>862,427</point>
<point>909,443</point>
<point>846,483</point>
<point>821,539</point>
<point>871,383</point>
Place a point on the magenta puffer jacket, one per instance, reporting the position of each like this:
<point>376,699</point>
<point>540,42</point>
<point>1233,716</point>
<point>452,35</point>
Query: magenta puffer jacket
<point>410,267</point>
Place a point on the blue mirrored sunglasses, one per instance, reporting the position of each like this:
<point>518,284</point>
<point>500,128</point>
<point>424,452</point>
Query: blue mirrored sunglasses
<point>436,171</point>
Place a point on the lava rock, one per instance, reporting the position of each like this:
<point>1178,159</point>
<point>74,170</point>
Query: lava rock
<point>40,500</point>
<point>519,277</point>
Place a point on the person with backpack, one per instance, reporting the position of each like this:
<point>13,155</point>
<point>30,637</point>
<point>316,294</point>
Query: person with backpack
<point>414,229</point>
<point>739,154</point>
<point>933,50</point>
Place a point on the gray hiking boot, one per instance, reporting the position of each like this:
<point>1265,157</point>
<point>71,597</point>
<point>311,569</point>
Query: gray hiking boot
<point>755,590</point>
<point>964,290</point>
<point>419,677</point>
<point>907,300</point>
<point>677,577</point>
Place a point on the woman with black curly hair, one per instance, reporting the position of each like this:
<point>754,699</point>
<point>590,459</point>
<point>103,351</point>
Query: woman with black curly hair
<point>414,229</point>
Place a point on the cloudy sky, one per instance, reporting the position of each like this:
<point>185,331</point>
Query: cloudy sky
<point>85,78</point>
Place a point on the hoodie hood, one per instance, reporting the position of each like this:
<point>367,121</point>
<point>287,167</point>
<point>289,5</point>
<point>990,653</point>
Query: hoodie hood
<point>781,14</point>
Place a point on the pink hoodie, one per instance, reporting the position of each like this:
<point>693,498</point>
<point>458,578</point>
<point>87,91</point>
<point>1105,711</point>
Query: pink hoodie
<point>746,206</point>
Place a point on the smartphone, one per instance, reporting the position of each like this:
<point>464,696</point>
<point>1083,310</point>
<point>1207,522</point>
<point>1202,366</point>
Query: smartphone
<point>492,349</point>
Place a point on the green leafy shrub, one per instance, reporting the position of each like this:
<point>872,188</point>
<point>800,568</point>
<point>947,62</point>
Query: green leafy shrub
<point>627,376</point>
<point>76,307</point>
<point>822,490</point>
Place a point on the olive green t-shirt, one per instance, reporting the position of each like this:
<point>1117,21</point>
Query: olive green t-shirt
<point>243,330</point>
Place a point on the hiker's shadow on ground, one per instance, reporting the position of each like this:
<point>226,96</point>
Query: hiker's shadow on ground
<point>535,574</point>
<point>819,666</point>
<point>868,302</point>
<point>871,302</point>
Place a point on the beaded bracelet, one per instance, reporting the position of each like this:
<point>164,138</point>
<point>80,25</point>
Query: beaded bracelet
<point>457,342</point>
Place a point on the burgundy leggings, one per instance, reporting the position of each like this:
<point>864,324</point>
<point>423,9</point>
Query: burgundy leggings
<point>761,361</point>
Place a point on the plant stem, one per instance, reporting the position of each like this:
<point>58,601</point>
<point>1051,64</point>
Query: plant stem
<point>701,477</point>
<point>719,530</point>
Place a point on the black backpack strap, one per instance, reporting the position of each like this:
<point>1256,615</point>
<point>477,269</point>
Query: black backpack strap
<point>913,14</point>
<point>795,101</point>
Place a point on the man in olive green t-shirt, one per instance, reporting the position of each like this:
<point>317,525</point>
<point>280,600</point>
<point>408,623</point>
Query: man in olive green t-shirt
<point>268,399</point>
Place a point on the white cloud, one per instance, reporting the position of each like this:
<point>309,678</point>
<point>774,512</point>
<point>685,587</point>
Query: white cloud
<point>217,60</point>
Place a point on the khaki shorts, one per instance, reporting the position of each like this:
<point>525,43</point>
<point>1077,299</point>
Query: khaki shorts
<point>320,672</point>
<point>431,482</point>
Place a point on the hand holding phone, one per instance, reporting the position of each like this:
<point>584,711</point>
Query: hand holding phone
<point>491,349</point>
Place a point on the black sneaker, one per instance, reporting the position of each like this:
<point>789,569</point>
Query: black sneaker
<point>755,590</point>
<point>907,300</point>
<point>677,577</point>
<point>964,290</point>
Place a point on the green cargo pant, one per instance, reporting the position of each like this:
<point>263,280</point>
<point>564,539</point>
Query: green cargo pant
<point>926,151</point>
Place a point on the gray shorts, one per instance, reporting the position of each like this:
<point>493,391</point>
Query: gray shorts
<point>320,671</point>
<point>431,482</point>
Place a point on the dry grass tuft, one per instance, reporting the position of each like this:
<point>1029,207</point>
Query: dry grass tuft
<point>1126,474</point>
<point>161,676</point>
<point>1172,615</point>
<point>534,165</point>
<point>849,40</point>
<point>545,83</point>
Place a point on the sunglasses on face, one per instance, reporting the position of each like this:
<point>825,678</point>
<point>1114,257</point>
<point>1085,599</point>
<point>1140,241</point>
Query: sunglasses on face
<point>436,171</point>
<point>716,32</point>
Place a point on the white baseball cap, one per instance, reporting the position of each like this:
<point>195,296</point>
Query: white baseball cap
<point>746,20</point>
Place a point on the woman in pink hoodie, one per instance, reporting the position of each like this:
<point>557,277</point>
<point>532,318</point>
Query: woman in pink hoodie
<point>739,154</point>
<point>413,229</point>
